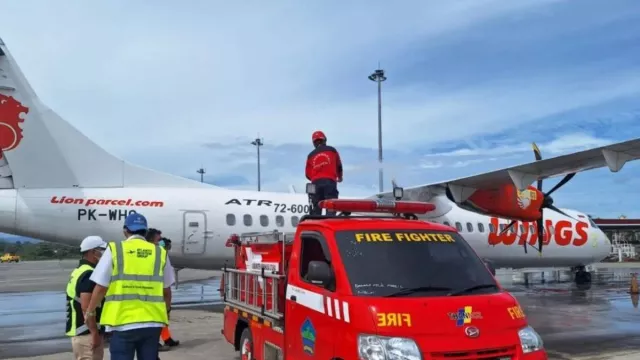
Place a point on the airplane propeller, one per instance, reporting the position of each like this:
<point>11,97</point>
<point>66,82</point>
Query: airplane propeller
<point>547,203</point>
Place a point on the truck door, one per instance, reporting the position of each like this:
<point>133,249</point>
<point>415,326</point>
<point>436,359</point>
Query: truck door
<point>310,321</point>
<point>194,232</point>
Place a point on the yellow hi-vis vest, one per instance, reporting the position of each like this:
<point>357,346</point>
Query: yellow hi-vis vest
<point>75,316</point>
<point>135,294</point>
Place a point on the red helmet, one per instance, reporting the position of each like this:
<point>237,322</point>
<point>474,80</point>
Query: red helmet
<point>318,135</point>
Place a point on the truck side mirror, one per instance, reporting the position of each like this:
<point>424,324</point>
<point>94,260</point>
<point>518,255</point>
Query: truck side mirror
<point>319,273</point>
<point>490,266</point>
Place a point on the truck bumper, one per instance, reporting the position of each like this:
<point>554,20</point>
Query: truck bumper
<point>537,355</point>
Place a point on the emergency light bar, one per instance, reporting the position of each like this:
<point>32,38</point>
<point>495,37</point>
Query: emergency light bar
<point>378,205</point>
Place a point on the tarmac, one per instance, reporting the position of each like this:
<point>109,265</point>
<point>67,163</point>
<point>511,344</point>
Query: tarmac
<point>53,275</point>
<point>599,323</point>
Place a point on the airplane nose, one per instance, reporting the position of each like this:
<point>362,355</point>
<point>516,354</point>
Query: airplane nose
<point>605,247</point>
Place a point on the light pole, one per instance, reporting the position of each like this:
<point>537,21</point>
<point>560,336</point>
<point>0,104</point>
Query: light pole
<point>378,76</point>
<point>257,143</point>
<point>201,171</point>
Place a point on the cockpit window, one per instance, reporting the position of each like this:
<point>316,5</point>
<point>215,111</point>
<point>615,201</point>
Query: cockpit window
<point>436,263</point>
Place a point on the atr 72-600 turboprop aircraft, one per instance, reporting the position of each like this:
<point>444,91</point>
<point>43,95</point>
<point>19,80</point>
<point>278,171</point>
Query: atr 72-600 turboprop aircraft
<point>59,186</point>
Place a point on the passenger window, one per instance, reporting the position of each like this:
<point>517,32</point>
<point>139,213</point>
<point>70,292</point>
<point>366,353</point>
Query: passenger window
<point>502,226</point>
<point>294,221</point>
<point>264,220</point>
<point>469,227</point>
<point>231,219</point>
<point>458,226</point>
<point>312,249</point>
<point>280,220</point>
<point>247,219</point>
<point>521,229</point>
<point>447,223</point>
<point>481,227</point>
<point>492,228</point>
<point>532,229</point>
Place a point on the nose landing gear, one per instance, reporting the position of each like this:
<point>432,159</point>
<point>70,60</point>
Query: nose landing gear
<point>175,274</point>
<point>582,277</point>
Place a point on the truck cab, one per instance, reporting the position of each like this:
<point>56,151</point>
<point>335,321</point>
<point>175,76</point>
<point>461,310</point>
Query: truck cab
<point>370,287</point>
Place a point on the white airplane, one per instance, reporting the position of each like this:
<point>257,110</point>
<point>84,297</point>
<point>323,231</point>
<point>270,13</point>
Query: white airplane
<point>59,186</point>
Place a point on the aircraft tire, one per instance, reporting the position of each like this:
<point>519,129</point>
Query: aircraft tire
<point>583,277</point>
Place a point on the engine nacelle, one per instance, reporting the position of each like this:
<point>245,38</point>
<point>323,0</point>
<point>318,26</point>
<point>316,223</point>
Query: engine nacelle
<point>505,202</point>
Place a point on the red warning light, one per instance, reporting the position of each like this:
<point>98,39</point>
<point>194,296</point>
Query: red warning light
<point>378,205</point>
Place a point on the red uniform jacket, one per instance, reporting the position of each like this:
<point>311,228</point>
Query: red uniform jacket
<point>323,163</point>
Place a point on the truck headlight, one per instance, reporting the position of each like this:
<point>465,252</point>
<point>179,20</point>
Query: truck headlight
<point>530,340</point>
<point>372,347</point>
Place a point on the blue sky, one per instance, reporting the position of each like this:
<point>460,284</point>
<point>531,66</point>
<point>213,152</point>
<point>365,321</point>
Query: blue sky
<point>470,84</point>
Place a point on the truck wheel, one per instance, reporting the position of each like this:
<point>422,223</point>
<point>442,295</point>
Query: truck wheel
<point>246,345</point>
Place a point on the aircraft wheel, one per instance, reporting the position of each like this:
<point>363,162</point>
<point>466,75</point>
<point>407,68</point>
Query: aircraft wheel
<point>583,277</point>
<point>246,345</point>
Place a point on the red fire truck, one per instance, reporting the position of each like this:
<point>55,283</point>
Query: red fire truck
<point>383,286</point>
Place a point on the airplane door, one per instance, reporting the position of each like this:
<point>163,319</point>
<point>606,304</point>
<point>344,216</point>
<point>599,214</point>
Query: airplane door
<point>195,232</point>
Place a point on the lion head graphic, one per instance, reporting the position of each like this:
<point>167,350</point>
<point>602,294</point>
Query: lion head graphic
<point>10,120</point>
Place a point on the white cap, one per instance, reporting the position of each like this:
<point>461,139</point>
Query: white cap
<point>92,242</point>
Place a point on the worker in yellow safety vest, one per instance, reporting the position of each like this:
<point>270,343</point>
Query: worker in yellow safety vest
<point>79,291</point>
<point>134,277</point>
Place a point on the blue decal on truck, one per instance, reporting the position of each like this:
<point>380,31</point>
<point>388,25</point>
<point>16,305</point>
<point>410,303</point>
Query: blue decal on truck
<point>308,333</point>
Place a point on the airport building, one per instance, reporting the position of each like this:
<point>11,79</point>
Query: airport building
<point>624,235</point>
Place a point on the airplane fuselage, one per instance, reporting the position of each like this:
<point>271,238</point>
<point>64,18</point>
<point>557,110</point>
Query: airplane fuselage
<point>200,220</point>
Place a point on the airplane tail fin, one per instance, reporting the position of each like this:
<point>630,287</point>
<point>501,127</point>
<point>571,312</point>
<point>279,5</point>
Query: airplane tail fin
<point>39,149</point>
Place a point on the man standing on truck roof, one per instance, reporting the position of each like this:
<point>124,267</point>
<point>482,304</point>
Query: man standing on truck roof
<point>324,170</point>
<point>134,277</point>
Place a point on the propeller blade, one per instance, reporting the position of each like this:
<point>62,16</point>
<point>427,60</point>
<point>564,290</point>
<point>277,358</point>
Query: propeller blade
<point>538,155</point>
<point>561,212</point>
<point>507,227</point>
<point>540,226</point>
<point>562,182</point>
<point>511,224</point>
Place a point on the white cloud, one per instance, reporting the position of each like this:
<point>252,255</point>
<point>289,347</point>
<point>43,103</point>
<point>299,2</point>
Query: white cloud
<point>562,144</point>
<point>212,72</point>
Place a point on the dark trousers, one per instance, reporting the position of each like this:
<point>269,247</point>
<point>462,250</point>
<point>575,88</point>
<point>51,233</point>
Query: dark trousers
<point>325,189</point>
<point>143,343</point>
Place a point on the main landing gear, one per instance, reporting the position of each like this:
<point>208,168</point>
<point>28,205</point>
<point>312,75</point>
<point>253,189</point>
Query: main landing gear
<point>582,276</point>
<point>175,274</point>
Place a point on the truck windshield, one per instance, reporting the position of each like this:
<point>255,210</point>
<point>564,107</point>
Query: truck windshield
<point>412,263</point>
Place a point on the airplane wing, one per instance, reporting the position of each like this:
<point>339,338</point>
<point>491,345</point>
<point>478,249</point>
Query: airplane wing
<point>613,156</point>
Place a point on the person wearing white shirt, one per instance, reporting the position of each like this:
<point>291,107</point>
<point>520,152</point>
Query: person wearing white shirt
<point>140,338</point>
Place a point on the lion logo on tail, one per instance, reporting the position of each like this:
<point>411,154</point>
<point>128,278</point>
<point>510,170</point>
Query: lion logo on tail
<point>10,120</point>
